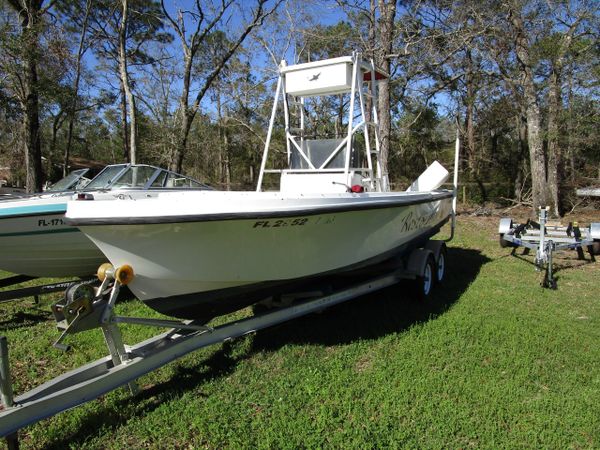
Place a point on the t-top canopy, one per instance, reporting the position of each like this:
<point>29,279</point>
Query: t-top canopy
<point>326,77</point>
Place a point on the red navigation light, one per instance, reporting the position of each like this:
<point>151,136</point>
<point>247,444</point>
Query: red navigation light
<point>357,189</point>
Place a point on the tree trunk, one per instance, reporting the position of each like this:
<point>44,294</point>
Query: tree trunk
<point>522,151</point>
<point>29,14</point>
<point>181,142</point>
<point>126,84</point>
<point>387,12</point>
<point>124,122</point>
<point>339,128</point>
<point>222,139</point>
<point>570,130</point>
<point>536,151</point>
<point>33,148</point>
<point>537,158</point>
<point>67,153</point>
<point>555,157</point>
<point>371,55</point>
<point>187,116</point>
<point>470,126</point>
<point>224,174</point>
<point>56,126</point>
<point>225,156</point>
<point>554,152</point>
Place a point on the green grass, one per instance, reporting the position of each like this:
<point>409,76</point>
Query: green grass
<point>492,361</point>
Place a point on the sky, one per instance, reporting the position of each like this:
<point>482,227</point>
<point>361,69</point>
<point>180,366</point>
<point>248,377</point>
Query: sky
<point>263,65</point>
<point>234,20</point>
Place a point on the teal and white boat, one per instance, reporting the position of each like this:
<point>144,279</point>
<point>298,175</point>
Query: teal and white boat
<point>36,241</point>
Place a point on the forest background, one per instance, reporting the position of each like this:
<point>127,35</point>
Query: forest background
<point>189,85</point>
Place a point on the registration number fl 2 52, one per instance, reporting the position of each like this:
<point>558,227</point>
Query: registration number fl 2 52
<point>280,223</point>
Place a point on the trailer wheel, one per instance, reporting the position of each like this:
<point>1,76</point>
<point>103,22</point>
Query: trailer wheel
<point>596,248</point>
<point>440,266</point>
<point>506,244</point>
<point>438,250</point>
<point>423,284</point>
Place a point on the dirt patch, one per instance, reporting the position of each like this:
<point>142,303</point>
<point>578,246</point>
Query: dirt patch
<point>363,364</point>
<point>489,213</point>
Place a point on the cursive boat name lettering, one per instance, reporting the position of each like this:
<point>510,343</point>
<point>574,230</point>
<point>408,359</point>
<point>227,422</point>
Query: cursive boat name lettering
<point>411,222</point>
<point>280,223</point>
<point>50,222</point>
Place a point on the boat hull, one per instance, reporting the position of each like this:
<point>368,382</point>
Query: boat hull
<point>35,239</point>
<point>41,244</point>
<point>201,268</point>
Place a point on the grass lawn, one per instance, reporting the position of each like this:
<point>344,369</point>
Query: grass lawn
<point>492,361</point>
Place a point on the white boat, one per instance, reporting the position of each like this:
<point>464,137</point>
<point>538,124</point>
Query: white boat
<point>36,241</point>
<point>197,255</point>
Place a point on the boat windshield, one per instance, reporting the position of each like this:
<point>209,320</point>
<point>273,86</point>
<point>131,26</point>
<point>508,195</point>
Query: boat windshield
<point>105,178</point>
<point>320,151</point>
<point>75,180</point>
<point>134,177</point>
<point>174,180</point>
<point>140,176</point>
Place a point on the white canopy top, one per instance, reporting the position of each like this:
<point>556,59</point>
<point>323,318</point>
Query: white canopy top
<point>326,77</point>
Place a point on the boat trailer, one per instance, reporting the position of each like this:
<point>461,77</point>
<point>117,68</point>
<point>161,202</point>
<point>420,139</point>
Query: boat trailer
<point>546,238</point>
<point>86,307</point>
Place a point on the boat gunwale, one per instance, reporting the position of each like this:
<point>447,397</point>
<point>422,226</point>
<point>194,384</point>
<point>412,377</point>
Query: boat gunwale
<point>45,212</point>
<point>117,192</point>
<point>397,201</point>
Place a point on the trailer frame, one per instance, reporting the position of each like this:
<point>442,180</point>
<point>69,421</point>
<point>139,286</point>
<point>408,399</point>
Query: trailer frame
<point>545,239</point>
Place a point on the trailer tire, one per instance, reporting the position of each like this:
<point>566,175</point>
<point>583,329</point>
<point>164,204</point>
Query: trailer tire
<point>506,244</point>
<point>440,266</point>
<point>438,249</point>
<point>596,248</point>
<point>423,284</point>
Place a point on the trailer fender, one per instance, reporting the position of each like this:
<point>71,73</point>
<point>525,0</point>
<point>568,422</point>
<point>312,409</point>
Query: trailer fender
<point>417,261</point>
<point>505,226</point>
<point>421,264</point>
<point>436,248</point>
<point>595,235</point>
<point>595,231</point>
